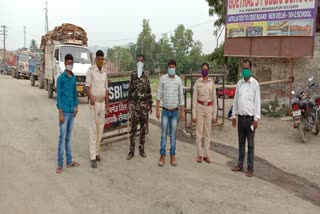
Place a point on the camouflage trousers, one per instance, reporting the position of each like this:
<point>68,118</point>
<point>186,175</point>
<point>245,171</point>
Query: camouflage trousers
<point>139,116</point>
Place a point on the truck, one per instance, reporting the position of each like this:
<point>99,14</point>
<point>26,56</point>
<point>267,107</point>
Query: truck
<point>56,44</point>
<point>35,67</point>
<point>22,64</point>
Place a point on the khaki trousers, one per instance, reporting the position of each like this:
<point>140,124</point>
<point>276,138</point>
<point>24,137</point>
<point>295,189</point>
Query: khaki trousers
<point>100,115</point>
<point>203,128</point>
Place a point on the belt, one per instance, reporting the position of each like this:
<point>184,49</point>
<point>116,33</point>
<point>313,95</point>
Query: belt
<point>170,110</point>
<point>204,103</point>
<point>245,116</point>
<point>99,99</point>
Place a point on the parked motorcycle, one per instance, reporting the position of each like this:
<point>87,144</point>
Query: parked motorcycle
<point>306,113</point>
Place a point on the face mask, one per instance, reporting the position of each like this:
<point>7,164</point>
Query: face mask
<point>171,71</point>
<point>246,73</point>
<point>139,68</point>
<point>100,63</point>
<point>204,73</point>
<point>69,67</point>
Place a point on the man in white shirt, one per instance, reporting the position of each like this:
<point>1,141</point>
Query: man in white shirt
<point>246,105</point>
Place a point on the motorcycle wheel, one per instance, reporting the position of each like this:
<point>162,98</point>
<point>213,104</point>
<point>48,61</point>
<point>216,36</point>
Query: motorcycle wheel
<point>302,131</point>
<point>315,130</point>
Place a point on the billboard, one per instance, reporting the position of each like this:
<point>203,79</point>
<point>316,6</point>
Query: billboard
<point>254,18</point>
<point>118,106</point>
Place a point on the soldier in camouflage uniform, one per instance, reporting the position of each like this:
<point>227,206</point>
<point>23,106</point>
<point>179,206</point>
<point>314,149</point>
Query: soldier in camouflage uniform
<point>140,102</point>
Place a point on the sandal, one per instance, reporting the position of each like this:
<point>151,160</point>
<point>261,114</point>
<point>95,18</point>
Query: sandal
<point>59,169</point>
<point>237,169</point>
<point>249,173</point>
<point>199,159</point>
<point>73,164</point>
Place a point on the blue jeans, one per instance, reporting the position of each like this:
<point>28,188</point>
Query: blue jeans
<point>169,120</point>
<point>65,138</point>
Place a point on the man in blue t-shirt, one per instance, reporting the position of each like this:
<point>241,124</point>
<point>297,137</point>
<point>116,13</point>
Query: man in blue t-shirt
<point>67,104</point>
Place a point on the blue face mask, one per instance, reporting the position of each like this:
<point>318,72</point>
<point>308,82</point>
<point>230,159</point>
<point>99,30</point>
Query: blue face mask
<point>171,71</point>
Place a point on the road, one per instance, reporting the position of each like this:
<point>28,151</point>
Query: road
<point>287,176</point>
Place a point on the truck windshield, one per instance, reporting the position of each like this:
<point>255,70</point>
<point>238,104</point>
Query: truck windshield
<point>23,58</point>
<point>80,55</point>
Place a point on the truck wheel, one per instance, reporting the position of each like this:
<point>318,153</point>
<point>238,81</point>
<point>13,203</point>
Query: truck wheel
<point>46,85</point>
<point>50,90</point>
<point>41,82</point>
<point>17,75</point>
<point>32,80</point>
<point>13,74</point>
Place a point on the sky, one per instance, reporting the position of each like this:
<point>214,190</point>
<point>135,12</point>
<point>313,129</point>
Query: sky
<point>107,23</point>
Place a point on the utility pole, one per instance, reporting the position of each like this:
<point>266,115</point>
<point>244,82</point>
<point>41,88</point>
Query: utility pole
<point>24,32</point>
<point>4,33</point>
<point>46,17</point>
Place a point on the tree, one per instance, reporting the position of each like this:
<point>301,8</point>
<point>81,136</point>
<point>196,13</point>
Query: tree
<point>163,52</point>
<point>195,58</point>
<point>122,57</point>
<point>218,60</point>
<point>33,45</point>
<point>146,45</point>
<point>218,7</point>
<point>182,43</point>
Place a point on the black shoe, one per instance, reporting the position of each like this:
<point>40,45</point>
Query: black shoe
<point>130,155</point>
<point>142,153</point>
<point>93,164</point>
<point>98,159</point>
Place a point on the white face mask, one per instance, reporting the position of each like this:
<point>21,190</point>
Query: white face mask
<point>69,67</point>
<point>139,68</point>
<point>171,71</point>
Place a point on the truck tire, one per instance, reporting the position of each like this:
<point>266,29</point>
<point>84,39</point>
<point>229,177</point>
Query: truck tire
<point>41,81</point>
<point>13,74</point>
<point>50,90</point>
<point>32,80</point>
<point>17,75</point>
<point>45,85</point>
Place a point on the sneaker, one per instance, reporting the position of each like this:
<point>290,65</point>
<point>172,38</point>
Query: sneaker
<point>94,164</point>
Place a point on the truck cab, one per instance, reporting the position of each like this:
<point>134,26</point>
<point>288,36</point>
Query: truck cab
<point>54,66</point>
<point>22,69</point>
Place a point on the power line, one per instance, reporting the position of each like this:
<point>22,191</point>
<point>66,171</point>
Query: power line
<point>4,33</point>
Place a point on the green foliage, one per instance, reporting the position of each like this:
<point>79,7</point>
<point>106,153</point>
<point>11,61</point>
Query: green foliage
<point>273,108</point>
<point>180,46</point>
<point>33,45</point>
<point>218,7</point>
<point>122,57</point>
<point>217,59</point>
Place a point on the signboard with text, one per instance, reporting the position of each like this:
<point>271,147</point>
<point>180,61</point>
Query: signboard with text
<point>254,18</point>
<point>118,107</point>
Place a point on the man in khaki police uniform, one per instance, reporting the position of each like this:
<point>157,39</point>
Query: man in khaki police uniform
<point>97,90</point>
<point>204,111</point>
